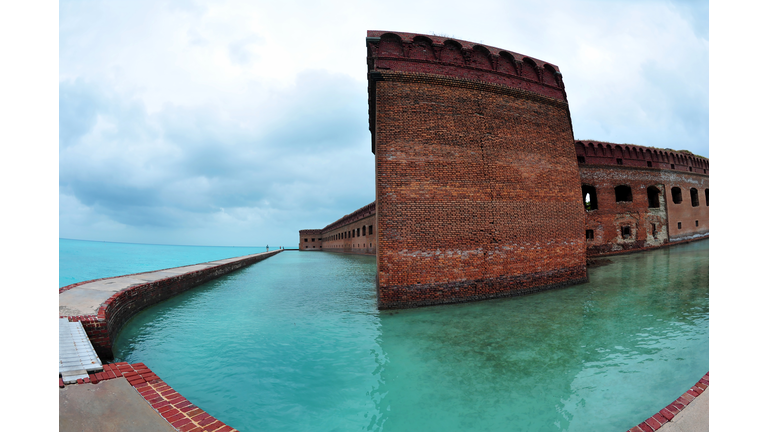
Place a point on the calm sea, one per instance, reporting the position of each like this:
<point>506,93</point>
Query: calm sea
<point>82,260</point>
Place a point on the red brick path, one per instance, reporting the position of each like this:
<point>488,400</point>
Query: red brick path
<point>173,407</point>
<point>667,413</point>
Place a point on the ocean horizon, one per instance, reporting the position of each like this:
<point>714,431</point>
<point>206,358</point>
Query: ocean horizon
<point>84,260</point>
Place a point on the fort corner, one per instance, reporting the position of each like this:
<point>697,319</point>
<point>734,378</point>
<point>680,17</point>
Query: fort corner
<point>481,189</point>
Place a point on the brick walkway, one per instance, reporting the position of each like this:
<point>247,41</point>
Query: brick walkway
<point>661,420</point>
<point>177,411</point>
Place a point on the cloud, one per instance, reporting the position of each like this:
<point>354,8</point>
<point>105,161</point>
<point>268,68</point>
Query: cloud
<point>184,165</point>
<point>205,121</point>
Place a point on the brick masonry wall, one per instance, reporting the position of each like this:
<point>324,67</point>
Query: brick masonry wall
<point>477,190</point>
<point>358,237</point>
<point>648,227</point>
<point>604,153</point>
<point>310,240</point>
<point>103,328</point>
<point>353,233</point>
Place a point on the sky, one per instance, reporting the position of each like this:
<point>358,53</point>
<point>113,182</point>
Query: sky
<point>197,123</point>
<point>242,122</point>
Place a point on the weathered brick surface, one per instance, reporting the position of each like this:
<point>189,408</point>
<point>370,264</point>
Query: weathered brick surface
<point>478,176</point>
<point>649,227</point>
<point>477,186</point>
<point>352,233</point>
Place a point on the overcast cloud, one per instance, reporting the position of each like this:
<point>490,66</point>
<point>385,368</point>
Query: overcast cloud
<point>241,122</point>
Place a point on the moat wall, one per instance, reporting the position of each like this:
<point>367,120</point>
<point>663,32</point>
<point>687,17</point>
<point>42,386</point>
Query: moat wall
<point>103,327</point>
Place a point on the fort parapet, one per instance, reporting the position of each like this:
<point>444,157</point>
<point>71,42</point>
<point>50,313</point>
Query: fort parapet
<point>481,189</point>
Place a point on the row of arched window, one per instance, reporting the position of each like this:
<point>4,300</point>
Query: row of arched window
<point>623,193</point>
<point>357,232</point>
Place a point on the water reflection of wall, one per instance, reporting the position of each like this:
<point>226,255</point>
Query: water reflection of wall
<point>599,356</point>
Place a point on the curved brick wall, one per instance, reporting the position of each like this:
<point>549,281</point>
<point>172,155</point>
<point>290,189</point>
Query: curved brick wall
<point>102,329</point>
<point>352,233</point>
<point>477,185</point>
<point>641,222</point>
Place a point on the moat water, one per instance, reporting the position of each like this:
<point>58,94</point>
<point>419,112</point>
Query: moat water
<point>295,343</point>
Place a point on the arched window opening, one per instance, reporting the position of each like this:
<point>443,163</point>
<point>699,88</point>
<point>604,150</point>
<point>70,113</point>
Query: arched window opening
<point>589,196</point>
<point>653,197</point>
<point>626,232</point>
<point>364,226</point>
<point>677,195</point>
<point>623,193</point>
<point>694,197</point>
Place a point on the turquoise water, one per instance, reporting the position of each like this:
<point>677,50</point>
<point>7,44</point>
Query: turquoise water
<point>295,343</point>
<point>82,260</point>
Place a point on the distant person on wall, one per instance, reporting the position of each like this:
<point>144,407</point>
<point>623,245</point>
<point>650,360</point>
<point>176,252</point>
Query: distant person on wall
<point>267,248</point>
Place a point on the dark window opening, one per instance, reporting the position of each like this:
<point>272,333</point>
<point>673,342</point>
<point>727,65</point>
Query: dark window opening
<point>697,223</point>
<point>650,164</point>
<point>690,168</point>
<point>653,230</point>
<point>706,196</point>
<point>590,234</point>
<point>364,230</point>
<point>370,229</point>
<point>679,225</point>
<point>358,232</point>
<point>694,197</point>
<point>619,161</point>
<point>672,166</point>
<point>305,240</point>
<point>653,197</point>
<point>677,195</point>
<point>581,159</point>
<point>589,196</point>
<point>623,193</point>
<point>626,232</point>
<point>313,239</point>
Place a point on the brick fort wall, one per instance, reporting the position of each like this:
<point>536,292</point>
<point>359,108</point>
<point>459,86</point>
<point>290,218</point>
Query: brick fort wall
<point>477,185</point>
<point>481,190</point>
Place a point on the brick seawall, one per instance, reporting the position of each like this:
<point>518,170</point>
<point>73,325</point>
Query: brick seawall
<point>103,306</point>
